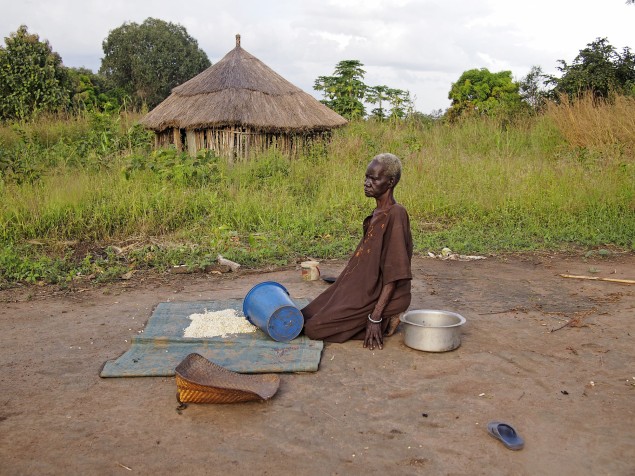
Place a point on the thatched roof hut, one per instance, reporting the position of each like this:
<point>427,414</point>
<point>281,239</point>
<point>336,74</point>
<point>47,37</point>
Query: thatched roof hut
<point>239,105</point>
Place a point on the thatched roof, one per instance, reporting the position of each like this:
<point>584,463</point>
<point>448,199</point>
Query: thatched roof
<point>240,90</point>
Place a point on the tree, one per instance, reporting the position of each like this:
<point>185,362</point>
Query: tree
<point>533,90</point>
<point>32,77</point>
<point>478,91</point>
<point>89,91</point>
<point>377,95</point>
<point>598,69</point>
<point>150,59</point>
<point>345,90</point>
<point>400,103</point>
<point>399,100</point>
<point>625,72</point>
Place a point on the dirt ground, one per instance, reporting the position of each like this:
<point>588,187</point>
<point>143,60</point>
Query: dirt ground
<point>569,391</point>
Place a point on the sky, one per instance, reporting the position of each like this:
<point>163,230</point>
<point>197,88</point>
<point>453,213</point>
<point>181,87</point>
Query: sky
<point>422,46</point>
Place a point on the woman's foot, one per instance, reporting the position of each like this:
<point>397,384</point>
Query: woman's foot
<point>393,324</point>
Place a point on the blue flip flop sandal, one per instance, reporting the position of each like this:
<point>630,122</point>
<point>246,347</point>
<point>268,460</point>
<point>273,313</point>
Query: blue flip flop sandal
<point>506,434</point>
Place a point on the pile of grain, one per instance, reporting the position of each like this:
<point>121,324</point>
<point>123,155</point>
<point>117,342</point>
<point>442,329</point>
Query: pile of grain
<point>218,323</point>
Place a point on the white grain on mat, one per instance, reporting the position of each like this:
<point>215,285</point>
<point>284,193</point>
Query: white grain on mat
<point>218,323</point>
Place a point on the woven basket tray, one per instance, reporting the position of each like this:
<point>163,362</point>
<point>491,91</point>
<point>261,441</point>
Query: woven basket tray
<point>200,381</point>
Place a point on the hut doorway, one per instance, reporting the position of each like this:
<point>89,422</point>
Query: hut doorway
<point>182,139</point>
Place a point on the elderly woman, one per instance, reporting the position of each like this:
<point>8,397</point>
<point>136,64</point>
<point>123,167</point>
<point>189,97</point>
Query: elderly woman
<point>367,298</point>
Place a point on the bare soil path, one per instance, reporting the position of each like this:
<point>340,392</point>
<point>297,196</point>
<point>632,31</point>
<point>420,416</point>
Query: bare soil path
<point>569,389</point>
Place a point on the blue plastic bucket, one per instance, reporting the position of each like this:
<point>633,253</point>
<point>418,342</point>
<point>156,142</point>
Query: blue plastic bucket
<point>268,306</point>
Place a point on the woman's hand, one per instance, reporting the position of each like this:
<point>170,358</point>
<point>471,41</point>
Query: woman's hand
<point>374,336</point>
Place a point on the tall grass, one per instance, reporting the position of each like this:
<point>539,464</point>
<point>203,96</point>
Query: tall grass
<point>596,123</point>
<point>476,186</point>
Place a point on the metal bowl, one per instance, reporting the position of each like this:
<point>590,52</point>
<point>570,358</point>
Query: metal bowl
<point>432,331</point>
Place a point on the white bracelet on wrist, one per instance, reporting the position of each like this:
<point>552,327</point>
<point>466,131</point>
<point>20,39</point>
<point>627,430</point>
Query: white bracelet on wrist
<point>375,322</point>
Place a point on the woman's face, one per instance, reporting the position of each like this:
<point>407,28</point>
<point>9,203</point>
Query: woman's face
<point>377,182</point>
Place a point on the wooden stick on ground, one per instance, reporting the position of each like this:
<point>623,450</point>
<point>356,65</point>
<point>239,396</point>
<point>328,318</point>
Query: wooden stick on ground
<point>596,278</point>
<point>575,321</point>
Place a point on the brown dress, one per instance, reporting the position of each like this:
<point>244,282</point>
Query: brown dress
<point>383,256</point>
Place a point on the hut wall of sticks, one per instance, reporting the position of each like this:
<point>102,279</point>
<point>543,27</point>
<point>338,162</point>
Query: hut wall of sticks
<point>237,107</point>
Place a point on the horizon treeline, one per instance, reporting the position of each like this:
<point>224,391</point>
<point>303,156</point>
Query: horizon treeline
<point>143,62</point>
